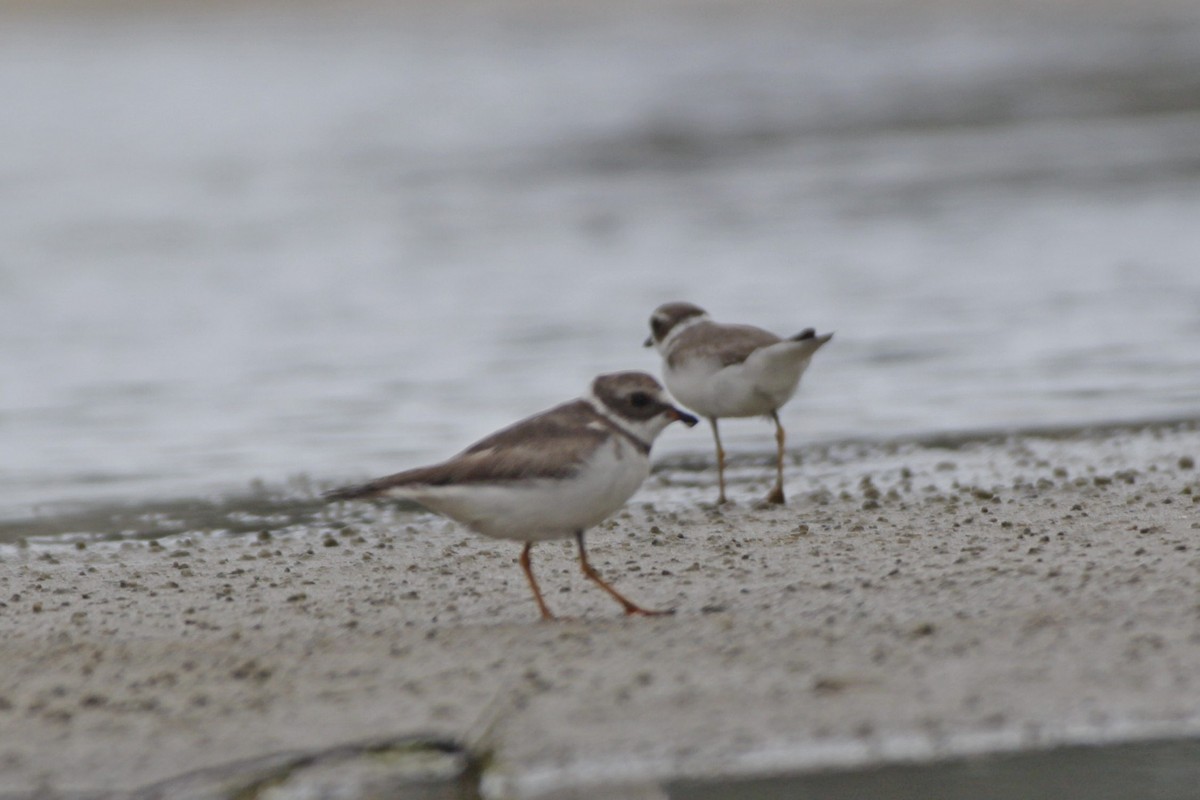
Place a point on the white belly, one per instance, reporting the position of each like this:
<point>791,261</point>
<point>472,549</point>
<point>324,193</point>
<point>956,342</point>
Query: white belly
<point>739,390</point>
<point>549,508</point>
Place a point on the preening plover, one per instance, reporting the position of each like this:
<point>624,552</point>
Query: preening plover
<point>551,476</point>
<point>730,371</point>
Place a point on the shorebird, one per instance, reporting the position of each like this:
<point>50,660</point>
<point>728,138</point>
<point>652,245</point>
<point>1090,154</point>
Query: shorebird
<point>550,476</point>
<point>720,370</point>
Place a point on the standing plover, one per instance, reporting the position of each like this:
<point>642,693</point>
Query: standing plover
<point>730,371</point>
<point>550,476</point>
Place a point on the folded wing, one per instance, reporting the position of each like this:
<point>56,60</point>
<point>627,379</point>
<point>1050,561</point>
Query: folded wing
<point>549,445</point>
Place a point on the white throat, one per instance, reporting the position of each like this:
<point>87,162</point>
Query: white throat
<point>665,345</point>
<point>644,431</point>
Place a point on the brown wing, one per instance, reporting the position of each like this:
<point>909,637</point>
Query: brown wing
<point>549,445</point>
<point>725,344</point>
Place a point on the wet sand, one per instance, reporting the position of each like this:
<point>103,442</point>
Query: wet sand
<point>913,601</point>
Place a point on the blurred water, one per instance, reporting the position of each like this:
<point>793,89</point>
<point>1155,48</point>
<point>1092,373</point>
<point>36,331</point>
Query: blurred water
<point>242,243</point>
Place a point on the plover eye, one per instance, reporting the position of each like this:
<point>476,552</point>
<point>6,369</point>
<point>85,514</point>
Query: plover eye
<point>639,399</point>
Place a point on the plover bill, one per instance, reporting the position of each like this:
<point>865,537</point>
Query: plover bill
<point>550,476</point>
<point>720,370</point>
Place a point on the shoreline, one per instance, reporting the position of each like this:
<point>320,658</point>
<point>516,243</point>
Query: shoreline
<point>912,602</point>
<point>241,509</point>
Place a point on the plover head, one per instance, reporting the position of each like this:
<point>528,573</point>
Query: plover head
<point>637,403</point>
<point>670,317</point>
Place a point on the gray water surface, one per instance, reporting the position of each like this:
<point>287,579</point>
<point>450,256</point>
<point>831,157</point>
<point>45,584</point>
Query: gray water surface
<point>1167,769</point>
<point>243,243</point>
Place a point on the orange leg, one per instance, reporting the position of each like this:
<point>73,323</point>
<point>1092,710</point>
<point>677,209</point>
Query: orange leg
<point>629,606</point>
<point>537,592</point>
<point>776,495</point>
<point>720,460</point>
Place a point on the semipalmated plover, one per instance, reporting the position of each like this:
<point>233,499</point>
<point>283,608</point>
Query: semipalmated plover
<point>730,371</point>
<point>550,476</point>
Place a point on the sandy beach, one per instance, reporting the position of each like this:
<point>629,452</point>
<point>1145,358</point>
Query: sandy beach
<point>915,600</point>
<point>253,250</point>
